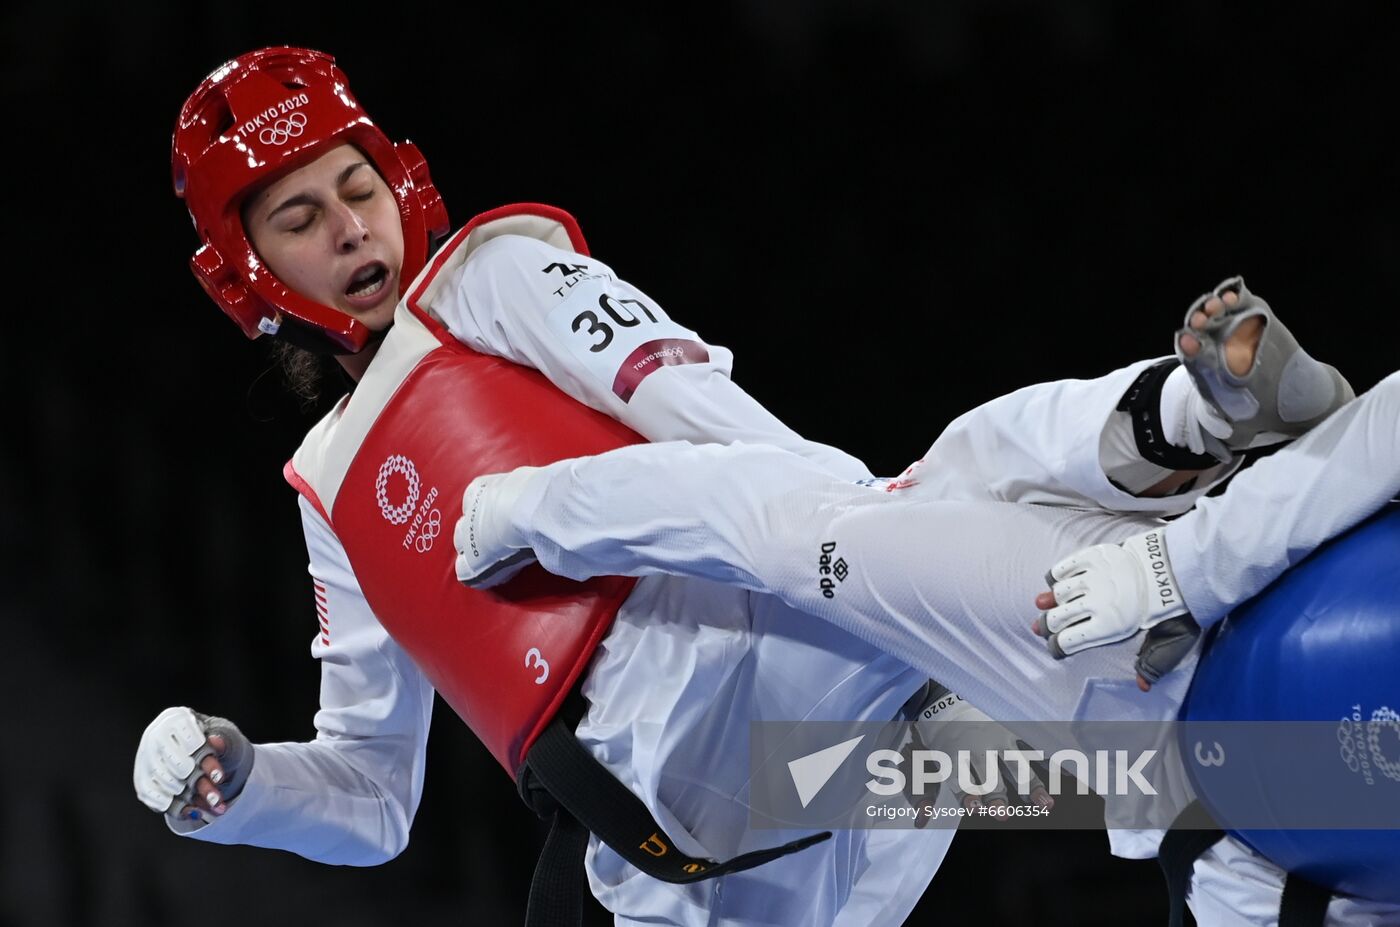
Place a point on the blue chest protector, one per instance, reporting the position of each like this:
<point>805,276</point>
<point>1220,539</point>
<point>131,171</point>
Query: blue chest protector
<point>1320,646</point>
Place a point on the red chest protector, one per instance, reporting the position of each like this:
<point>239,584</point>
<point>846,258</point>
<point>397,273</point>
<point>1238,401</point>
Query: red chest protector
<point>387,470</point>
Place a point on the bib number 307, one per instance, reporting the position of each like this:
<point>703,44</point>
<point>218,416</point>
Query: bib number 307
<point>621,312</point>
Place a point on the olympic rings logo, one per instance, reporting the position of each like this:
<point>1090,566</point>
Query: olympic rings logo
<point>396,514</point>
<point>431,529</point>
<point>1347,746</point>
<point>283,130</point>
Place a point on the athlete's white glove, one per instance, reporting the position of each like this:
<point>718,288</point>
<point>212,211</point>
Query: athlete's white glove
<point>947,722</point>
<point>179,772</point>
<point>1109,592</point>
<point>490,551</point>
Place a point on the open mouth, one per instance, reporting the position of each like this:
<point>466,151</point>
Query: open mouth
<point>368,281</point>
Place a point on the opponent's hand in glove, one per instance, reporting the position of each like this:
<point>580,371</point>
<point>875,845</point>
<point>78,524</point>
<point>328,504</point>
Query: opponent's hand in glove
<point>1107,593</point>
<point>189,765</point>
<point>949,723</point>
<point>490,551</point>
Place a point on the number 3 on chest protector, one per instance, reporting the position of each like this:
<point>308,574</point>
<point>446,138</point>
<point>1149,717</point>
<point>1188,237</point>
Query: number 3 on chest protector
<point>533,658</point>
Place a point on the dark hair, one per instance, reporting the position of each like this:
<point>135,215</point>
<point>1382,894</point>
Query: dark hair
<point>303,372</point>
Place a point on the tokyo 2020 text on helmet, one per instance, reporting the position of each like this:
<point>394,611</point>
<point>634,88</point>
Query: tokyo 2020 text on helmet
<point>252,120</point>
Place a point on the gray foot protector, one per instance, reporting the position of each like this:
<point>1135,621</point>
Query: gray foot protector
<point>1286,391</point>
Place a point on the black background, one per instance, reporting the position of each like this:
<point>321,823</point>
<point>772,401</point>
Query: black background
<point>890,211</point>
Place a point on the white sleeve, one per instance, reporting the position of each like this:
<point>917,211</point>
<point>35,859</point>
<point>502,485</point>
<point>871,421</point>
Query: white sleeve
<point>1046,444</point>
<point>946,586</point>
<point>1334,476</point>
<point>611,347</point>
<point>349,796</point>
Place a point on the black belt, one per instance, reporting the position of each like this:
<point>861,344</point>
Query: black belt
<point>563,782</point>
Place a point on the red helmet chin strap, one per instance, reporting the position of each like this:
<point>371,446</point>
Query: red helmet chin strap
<point>252,120</point>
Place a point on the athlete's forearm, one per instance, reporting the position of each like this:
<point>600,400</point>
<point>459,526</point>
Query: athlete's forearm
<point>688,510</point>
<point>309,799</point>
<point>1275,513</point>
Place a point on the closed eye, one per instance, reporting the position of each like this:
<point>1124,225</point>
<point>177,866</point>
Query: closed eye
<point>298,229</point>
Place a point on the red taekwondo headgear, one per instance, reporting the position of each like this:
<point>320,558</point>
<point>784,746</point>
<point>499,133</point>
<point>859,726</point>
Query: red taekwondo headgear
<point>253,119</point>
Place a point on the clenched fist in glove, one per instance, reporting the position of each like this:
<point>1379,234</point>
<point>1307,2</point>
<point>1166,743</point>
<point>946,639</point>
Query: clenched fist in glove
<point>947,722</point>
<point>189,765</point>
<point>489,550</point>
<point>1108,593</point>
